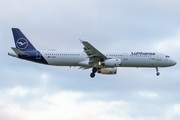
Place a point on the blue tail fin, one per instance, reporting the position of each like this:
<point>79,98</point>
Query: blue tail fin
<point>21,42</point>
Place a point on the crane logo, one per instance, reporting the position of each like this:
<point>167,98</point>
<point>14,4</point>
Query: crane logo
<point>22,43</point>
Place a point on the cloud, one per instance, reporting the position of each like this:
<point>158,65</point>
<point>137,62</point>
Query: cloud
<point>169,45</point>
<point>148,94</point>
<point>18,91</point>
<point>65,105</point>
<point>173,112</point>
<point>72,105</point>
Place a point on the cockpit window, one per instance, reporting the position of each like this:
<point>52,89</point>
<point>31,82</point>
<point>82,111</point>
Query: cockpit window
<point>167,56</point>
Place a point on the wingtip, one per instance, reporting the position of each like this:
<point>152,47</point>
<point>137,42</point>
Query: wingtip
<point>81,40</point>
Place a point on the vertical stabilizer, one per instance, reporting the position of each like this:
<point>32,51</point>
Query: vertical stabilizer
<point>21,42</point>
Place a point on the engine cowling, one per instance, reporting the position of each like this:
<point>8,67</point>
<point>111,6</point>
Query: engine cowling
<point>111,62</point>
<point>107,70</point>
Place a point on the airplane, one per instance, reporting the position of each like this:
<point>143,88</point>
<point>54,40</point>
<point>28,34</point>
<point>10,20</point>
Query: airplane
<point>90,57</point>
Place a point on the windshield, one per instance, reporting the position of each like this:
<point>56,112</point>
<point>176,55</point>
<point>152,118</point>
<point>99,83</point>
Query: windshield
<point>167,56</point>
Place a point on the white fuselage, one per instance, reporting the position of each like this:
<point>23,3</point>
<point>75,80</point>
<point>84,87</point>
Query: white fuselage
<point>145,59</point>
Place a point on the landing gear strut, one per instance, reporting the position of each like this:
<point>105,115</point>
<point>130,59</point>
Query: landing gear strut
<point>157,71</point>
<point>94,70</point>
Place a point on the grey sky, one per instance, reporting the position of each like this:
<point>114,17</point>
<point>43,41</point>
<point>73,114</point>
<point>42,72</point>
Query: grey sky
<point>33,91</point>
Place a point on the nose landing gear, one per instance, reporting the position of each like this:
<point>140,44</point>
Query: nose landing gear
<point>157,71</point>
<point>94,70</point>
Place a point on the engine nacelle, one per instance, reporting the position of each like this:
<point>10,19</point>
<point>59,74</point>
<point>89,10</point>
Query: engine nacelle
<point>107,70</point>
<point>111,62</point>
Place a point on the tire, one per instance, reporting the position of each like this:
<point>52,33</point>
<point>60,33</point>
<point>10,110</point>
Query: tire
<point>157,73</point>
<point>92,75</point>
<point>94,70</point>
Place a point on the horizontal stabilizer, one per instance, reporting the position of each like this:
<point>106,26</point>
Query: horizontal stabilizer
<point>13,55</point>
<point>17,51</point>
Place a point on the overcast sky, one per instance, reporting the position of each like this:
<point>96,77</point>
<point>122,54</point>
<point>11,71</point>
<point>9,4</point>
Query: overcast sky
<point>30,91</point>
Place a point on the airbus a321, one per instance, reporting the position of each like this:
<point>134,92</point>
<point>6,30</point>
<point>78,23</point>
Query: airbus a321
<point>89,58</point>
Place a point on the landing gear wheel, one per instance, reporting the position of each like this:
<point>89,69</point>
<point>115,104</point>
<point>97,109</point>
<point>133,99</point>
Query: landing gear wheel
<point>92,75</point>
<point>94,70</point>
<point>157,73</point>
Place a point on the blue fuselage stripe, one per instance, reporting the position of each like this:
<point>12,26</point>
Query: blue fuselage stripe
<point>34,56</point>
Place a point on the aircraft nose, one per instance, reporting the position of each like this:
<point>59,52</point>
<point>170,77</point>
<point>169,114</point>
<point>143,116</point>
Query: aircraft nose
<point>174,62</point>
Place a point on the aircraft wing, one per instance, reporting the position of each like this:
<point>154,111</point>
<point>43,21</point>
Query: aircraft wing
<point>92,52</point>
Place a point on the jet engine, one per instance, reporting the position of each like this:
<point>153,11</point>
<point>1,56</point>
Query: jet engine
<point>107,70</point>
<point>110,62</point>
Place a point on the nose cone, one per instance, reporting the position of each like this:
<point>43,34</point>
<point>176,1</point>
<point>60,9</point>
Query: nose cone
<point>174,62</point>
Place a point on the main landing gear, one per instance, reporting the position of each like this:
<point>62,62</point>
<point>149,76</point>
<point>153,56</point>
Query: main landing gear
<point>94,70</point>
<point>157,71</point>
